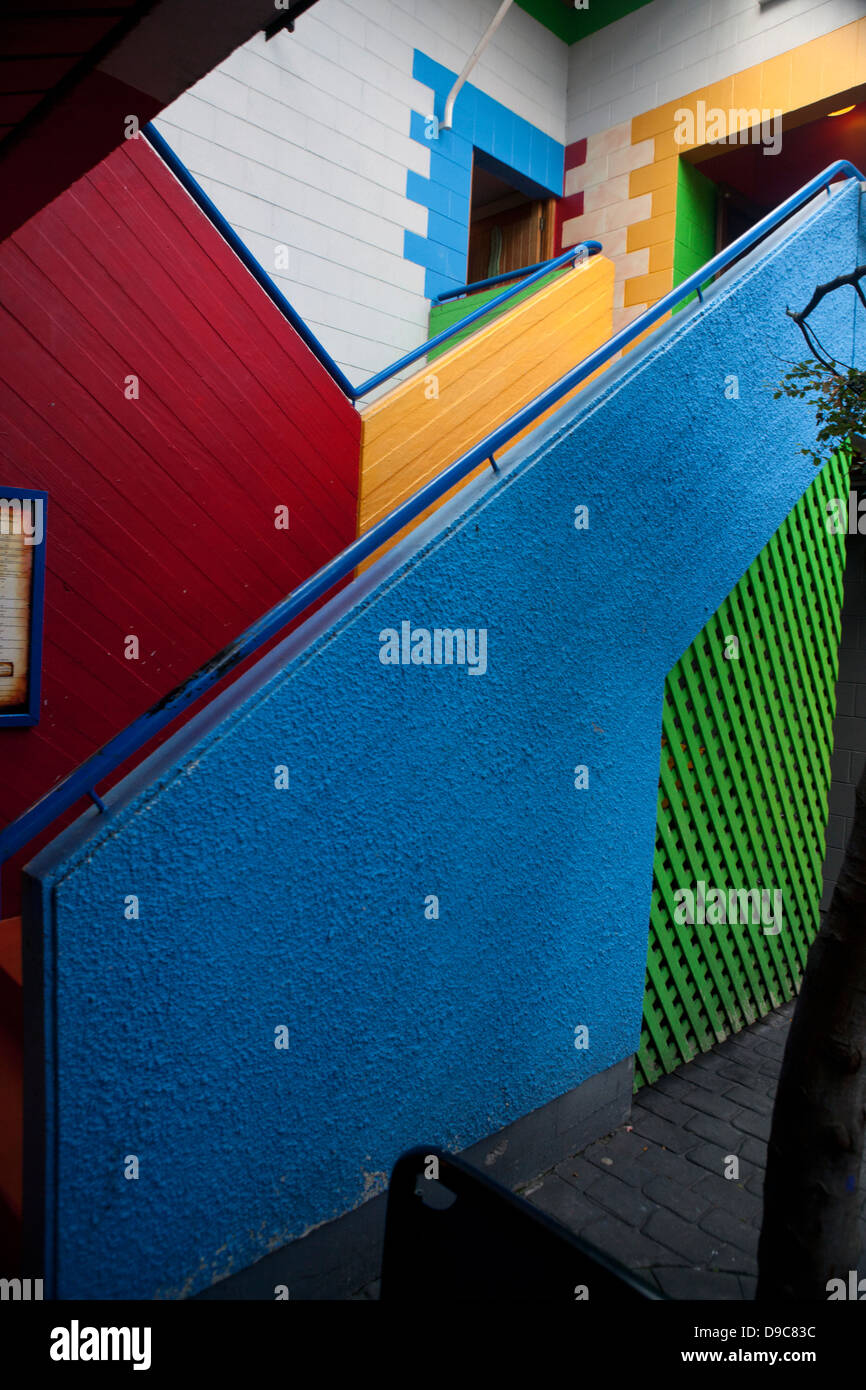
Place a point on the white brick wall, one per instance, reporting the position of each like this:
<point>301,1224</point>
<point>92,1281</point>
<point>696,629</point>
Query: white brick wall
<point>304,142</point>
<point>668,48</point>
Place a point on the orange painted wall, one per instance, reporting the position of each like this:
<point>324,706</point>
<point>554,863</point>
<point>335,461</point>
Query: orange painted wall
<point>424,424</point>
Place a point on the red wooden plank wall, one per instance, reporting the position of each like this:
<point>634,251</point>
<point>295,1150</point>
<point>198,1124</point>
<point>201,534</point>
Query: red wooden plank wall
<point>160,519</point>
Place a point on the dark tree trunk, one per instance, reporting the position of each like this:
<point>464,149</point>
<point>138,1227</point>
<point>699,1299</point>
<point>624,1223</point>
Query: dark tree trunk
<point>811,1229</point>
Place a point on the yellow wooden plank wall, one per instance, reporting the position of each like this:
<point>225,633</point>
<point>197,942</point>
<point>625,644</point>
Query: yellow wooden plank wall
<point>415,431</point>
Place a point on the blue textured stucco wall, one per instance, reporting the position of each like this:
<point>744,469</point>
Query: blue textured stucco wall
<point>305,907</point>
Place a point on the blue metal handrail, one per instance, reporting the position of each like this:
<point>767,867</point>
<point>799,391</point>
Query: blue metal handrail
<point>592,248</point>
<point>261,276</point>
<point>82,782</point>
<point>476,285</point>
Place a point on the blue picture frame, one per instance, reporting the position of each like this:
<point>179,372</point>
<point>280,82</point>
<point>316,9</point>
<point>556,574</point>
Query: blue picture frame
<point>27,714</point>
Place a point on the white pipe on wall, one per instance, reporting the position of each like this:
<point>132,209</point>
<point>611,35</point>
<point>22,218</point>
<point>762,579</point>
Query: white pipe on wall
<point>482,43</point>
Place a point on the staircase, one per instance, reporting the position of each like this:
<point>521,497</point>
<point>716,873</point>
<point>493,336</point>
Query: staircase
<point>301,904</point>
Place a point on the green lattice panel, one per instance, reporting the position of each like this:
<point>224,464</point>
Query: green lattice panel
<point>743,787</point>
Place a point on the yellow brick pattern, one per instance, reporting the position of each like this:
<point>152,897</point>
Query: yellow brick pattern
<point>815,71</point>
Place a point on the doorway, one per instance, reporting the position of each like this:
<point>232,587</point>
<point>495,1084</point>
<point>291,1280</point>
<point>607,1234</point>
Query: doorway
<point>508,228</point>
<point>747,183</point>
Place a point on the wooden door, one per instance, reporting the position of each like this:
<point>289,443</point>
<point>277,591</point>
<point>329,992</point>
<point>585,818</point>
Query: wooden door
<point>510,240</point>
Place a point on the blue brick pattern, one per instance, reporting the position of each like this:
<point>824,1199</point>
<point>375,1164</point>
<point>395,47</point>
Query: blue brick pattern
<point>528,158</point>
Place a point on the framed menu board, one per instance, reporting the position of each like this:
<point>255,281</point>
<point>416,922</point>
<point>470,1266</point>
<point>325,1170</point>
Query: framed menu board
<point>22,591</point>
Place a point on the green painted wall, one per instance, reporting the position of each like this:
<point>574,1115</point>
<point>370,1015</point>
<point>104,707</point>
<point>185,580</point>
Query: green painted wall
<point>570,25</point>
<point>442,316</point>
<point>743,789</point>
<point>695,236</point>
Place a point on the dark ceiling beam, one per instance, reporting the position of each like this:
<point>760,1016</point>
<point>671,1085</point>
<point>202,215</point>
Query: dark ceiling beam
<point>154,53</point>
<point>125,20</point>
<point>287,20</point>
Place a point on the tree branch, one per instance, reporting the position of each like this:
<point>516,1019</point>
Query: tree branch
<point>853,279</point>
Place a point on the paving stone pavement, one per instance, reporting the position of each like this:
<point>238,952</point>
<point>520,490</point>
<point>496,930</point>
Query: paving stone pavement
<point>653,1193</point>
